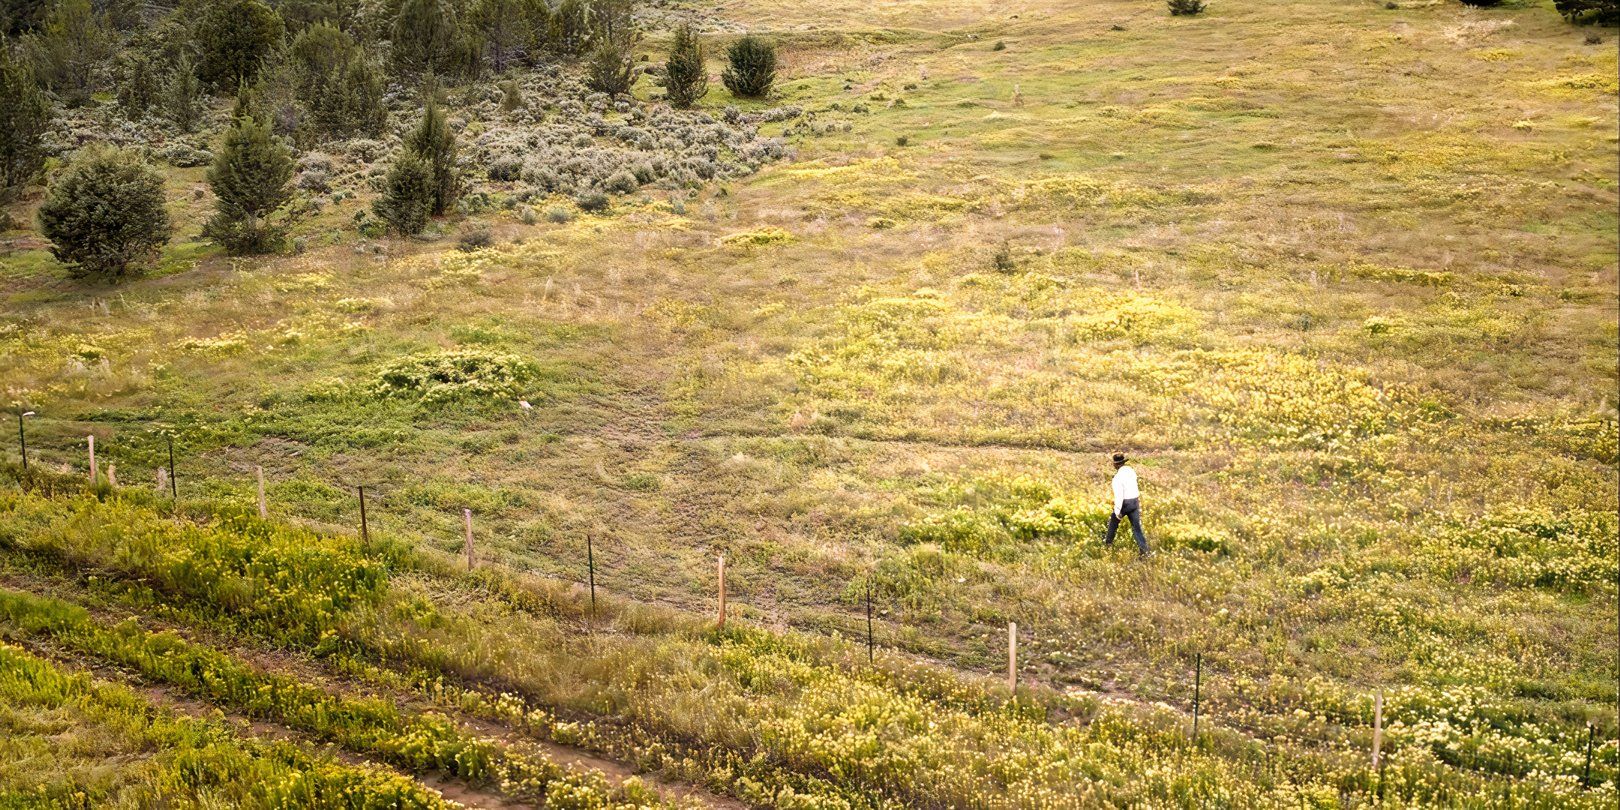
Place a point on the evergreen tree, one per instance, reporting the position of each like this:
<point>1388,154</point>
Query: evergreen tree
<point>611,69</point>
<point>18,17</point>
<point>140,82</point>
<point>335,83</point>
<point>105,214</point>
<point>752,67</point>
<point>433,141</point>
<point>250,179</point>
<point>352,104</point>
<point>25,114</point>
<point>424,39</point>
<point>317,54</point>
<point>70,48</point>
<point>569,28</point>
<point>232,39</point>
<point>537,25</point>
<point>408,194</point>
<point>503,29</point>
<point>1601,12</point>
<point>685,78</point>
<point>183,95</point>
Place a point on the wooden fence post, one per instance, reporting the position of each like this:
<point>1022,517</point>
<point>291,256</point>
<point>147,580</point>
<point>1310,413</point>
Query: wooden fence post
<point>869,652</point>
<point>112,475</point>
<point>1012,657</point>
<point>590,568</point>
<point>94,473</point>
<point>1378,728</point>
<point>721,577</point>
<point>258,474</point>
<point>365,531</point>
<point>174,480</point>
<point>1198,690</point>
<point>466,517</point>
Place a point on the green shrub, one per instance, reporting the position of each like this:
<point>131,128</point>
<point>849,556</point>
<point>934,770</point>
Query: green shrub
<point>25,114</point>
<point>461,374</point>
<point>751,67</point>
<point>407,198</point>
<point>476,239</point>
<point>105,214</point>
<point>1600,12</point>
<point>233,39</point>
<point>1186,8</point>
<point>250,179</point>
<point>685,78</point>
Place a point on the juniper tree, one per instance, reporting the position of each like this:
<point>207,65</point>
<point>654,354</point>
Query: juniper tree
<point>182,99</point>
<point>1601,12</point>
<point>139,79</point>
<point>408,194</point>
<point>503,27</point>
<point>536,27</point>
<point>336,83</point>
<point>105,214</point>
<point>25,114</point>
<point>751,68</point>
<point>250,179</point>
<point>424,38</point>
<point>685,78</point>
<point>68,50</point>
<point>611,69</point>
<point>232,39</point>
<point>352,103</point>
<point>568,30</point>
<point>316,54</point>
<point>435,144</point>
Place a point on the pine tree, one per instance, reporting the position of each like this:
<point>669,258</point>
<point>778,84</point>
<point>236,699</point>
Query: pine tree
<point>408,192</point>
<point>435,144</point>
<point>232,39</point>
<point>105,214</point>
<point>685,78</point>
<point>250,179</point>
<point>752,67</point>
<point>25,114</point>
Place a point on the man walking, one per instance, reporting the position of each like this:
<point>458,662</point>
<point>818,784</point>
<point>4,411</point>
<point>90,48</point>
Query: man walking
<point>1127,504</point>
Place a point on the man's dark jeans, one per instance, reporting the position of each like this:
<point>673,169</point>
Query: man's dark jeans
<point>1131,509</point>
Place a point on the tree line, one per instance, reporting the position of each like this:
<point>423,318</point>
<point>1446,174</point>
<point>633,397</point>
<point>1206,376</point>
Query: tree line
<point>302,72</point>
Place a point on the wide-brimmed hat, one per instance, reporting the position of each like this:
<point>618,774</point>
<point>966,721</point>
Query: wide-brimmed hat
<point>1119,458</point>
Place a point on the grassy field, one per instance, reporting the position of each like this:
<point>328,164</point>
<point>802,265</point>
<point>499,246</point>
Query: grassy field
<point>1340,276</point>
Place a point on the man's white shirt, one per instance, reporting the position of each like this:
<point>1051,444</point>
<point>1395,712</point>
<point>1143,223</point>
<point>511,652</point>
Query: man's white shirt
<point>1124,487</point>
